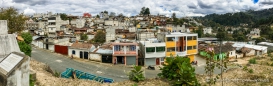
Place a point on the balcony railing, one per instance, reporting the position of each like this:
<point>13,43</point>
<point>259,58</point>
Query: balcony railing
<point>181,53</point>
<point>123,52</point>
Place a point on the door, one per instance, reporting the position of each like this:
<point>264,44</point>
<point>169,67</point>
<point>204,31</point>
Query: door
<point>81,54</point>
<point>157,61</point>
<point>47,46</point>
<point>85,55</point>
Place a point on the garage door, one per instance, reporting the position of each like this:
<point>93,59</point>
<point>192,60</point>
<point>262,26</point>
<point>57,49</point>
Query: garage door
<point>130,60</point>
<point>150,61</point>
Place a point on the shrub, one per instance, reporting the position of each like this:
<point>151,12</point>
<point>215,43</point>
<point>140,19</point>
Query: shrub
<point>245,68</point>
<point>252,61</point>
<point>179,71</point>
<point>250,71</point>
<point>136,74</point>
<point>57,74</point>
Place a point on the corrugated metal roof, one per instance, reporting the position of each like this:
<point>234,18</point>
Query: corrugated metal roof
<point>256,47</point>
<point>104,51</point>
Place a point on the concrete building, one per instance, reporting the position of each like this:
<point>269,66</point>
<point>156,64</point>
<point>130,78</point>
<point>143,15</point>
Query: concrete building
<point>207,30</point>
<point>267,44</point>
<point>125,53</point>
<point>80,50</point>
<point>153,52</point>
<point>181,44</point>
<point>255,33</point>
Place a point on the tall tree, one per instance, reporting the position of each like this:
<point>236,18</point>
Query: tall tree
<point>112,14</point>
<point>99,37</point>
<point>142,11</point>
<point>84,37</point>
<point>147,11</point>
<point>16,20</point>
<point>63,16</point>
<point>98,16</point>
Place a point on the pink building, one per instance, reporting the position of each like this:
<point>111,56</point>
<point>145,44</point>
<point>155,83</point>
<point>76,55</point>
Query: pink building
<point>125,53</point>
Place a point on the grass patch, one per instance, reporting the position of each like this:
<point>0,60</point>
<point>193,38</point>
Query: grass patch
<point>252,61</point>
<point>250,71</point>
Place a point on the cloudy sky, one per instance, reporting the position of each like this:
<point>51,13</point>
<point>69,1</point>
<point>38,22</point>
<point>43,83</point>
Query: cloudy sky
<point>132,7</point>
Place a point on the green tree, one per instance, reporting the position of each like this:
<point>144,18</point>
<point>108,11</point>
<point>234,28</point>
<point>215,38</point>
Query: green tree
<point>99,37</point>
<point>24,47</point>
<point>200,32</point>
<point>147,11</point>
<point>63,16</point>
<point>98,16</point>
<point>27,37</point>
<point>16,20</point>
<point>179,71</point>
<point>84,37</point>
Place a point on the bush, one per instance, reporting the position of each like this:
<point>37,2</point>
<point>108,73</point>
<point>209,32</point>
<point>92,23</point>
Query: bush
<point>245,68</point>
<point>252,61</point>
<point>179,71</point>
<point>250,71</point>
<point>136,74</point>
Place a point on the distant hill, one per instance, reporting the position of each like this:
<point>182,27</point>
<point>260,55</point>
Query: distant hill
<point>250,17</point>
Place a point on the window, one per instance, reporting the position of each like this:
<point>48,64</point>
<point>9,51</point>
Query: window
<point>162,59</point>
<point>230,53</point>
<point>189,38</point>
<point>194,37</point>
<point>170,49</point>
<point>189,47</point>
<point>117,48</point>
<point>150,49</point>
<point>160,49</point>
<point>194,47</point>
<point>73,52</point>
<point>170,38</point>
<point>132,47</point>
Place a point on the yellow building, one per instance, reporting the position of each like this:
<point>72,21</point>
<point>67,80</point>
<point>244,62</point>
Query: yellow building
<point>181,44</point>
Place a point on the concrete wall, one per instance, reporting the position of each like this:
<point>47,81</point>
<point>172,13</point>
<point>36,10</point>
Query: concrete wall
<point>130,60</point>
<point>111,23</point>
<point>38,44</point>
<point>232,53</point>
<point>20,77</point>
<point>77,52</point>
<point>251,53</point>
<point>51,47</point>
<point>95,57</point>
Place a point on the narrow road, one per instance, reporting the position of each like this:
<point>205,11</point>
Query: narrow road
<point>60,63</point>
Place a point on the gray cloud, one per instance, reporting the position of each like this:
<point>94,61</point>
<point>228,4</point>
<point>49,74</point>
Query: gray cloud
<point>204,5</point>
<point>266,2</point>
<point>133,7</point>
<point>31,2</point>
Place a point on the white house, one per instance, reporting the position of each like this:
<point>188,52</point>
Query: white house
<point>153,51</point>
<point>79,50</point>
<point>250,50</point>
<point>207,30</point>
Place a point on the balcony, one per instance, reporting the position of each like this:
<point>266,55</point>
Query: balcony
<point>181,53</point>
<point>125,53</point>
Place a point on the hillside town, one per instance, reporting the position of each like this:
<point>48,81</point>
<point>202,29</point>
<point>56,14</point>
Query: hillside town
<point>106,48</point>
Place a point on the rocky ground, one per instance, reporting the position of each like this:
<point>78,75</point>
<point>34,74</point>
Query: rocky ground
<point>241,76</point>
<point>44,78</point>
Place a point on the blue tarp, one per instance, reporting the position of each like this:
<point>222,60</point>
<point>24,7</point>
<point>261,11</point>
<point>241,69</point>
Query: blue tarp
<point>82,75</point>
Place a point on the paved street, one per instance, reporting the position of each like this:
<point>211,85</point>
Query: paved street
<point>60,63</point>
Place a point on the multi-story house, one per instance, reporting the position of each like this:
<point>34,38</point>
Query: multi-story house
<point>153,52</point>
<point>31,26</point>
<point>54,24</point>
<point>125,53</point>
<point>207,30</point>
<point>255,33</point>
<point>181,44</point>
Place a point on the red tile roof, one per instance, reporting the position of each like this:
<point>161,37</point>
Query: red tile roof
<point>81,45</point>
